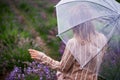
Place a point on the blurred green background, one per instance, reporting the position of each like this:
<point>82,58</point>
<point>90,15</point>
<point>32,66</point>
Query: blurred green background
<point>26,24</point>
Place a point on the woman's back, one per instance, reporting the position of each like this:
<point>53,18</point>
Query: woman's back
<point>81,54</point>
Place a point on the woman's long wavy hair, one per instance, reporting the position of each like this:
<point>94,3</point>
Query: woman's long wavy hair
<point>84,31</point>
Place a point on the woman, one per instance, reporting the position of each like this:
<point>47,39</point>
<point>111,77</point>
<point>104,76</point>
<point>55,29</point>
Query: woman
<point>85,41</point>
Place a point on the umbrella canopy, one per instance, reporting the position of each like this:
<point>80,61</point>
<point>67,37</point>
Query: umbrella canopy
<point>86,27</point>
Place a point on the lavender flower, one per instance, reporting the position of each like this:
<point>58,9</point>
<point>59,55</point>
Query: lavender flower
<point>33,68</point>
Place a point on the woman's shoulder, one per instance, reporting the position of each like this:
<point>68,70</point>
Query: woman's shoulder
<point>71,41</point>
<point>101,35</point>
<point>102,38</point>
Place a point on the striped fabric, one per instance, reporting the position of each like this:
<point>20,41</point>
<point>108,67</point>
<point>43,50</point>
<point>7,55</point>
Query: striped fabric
<point>68,68</point>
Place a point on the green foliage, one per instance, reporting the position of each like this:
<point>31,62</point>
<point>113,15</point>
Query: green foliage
<point>32,76</point>
<point>15,39</point>
<point>50,9</point>
<point>24,6</point>
<point>118,0</point>
<point>42,18</point>
<point>11,53</point>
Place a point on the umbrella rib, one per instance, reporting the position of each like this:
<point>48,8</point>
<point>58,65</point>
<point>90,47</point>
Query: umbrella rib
<point>112,22</point>
<point>117,27</point>
<point>90,2</point>
<point>103,47</point>
<point>106,25</point>
<point>83,22</point>
<point>109,4</point>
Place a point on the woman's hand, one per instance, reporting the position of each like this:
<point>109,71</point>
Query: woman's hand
<point>36,54</point>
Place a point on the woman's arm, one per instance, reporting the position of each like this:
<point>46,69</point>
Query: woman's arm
<point>63,66</point>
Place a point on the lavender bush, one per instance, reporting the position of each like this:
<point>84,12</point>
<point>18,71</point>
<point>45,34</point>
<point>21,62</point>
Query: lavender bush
<point>110,67</point>
<point>34,70</point>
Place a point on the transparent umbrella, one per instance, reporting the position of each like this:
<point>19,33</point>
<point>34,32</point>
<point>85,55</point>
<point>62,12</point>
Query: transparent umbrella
<point>90,29</point>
